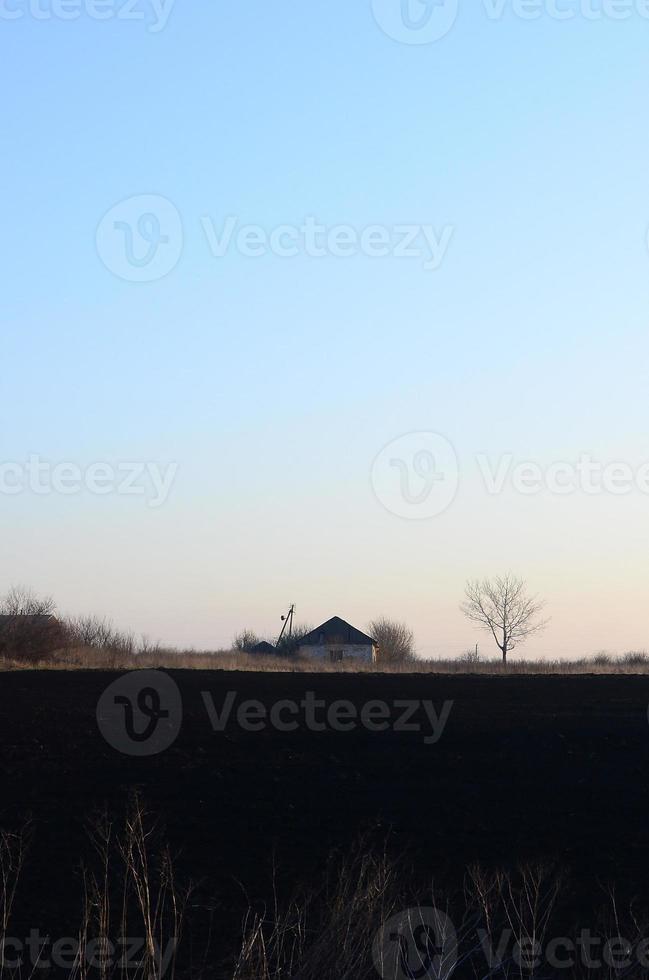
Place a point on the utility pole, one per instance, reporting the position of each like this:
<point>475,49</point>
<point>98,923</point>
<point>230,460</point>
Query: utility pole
<point>288,622</point>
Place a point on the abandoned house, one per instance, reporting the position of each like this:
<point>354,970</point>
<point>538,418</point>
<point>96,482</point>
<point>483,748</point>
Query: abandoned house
<point>336,641</point>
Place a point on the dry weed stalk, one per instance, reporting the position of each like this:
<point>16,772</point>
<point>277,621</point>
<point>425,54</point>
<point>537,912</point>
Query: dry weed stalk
<point>133,893</point>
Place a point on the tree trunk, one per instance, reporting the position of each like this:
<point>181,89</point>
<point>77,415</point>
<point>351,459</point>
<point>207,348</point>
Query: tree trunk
<point>504,650</point>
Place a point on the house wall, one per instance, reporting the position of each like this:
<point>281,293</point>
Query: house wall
<point>365,653</point>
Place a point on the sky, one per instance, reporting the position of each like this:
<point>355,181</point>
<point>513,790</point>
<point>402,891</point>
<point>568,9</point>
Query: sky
<point>335,304</point>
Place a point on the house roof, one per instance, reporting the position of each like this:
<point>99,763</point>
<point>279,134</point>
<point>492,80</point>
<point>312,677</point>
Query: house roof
<point>263,647</point>
<point>336,630</point>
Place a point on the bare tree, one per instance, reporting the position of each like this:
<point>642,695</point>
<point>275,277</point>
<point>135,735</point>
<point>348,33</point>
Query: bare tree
<point>21,601</point>
<point>502,607</point>
<point>245,641</point>
<point>289,644</point>
<point>97,633</point>
<point>395,641</point>
<point>90,631</point>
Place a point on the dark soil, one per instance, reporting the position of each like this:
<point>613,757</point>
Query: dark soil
<point>528,767</point>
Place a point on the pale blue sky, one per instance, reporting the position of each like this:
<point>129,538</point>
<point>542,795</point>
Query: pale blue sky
<point>273,383</point>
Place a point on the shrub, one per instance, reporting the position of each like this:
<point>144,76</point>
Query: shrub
<point>635,658</point>
<point>395,641</point>
<point>602,658</point>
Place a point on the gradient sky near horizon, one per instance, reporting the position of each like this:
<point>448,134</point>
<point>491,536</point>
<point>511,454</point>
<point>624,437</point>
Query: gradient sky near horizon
<point>274,382</point>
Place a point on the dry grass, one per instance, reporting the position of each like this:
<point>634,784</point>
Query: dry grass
<point>131,888</point>
<point>500,925</point>
<point>342,926</point>
<point>322,933</point>
<point>128,890</point>
<point>90,658</point>
<point>13,848</point>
